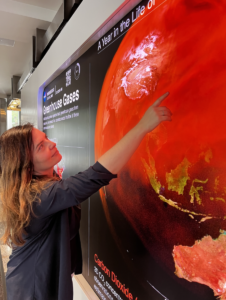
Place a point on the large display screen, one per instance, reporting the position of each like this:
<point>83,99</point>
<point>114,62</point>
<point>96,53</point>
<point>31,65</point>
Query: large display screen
<point>158,231</point>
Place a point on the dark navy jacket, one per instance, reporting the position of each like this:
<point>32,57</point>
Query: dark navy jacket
<point>41,269</point>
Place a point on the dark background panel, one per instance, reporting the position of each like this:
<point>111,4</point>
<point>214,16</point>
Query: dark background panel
<point>72,136</point>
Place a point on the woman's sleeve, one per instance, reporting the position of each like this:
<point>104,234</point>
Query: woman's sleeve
<point>73,190</point>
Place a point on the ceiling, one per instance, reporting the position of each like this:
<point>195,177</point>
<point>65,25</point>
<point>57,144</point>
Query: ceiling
<point>18,21</point>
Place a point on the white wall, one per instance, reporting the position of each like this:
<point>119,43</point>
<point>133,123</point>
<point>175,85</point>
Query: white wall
<point>70,44</point>
<point>78,293</point>
<point>82,290</point>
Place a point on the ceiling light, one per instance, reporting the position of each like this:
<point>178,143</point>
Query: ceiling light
<point>6,42</point>
<point>14,104</point>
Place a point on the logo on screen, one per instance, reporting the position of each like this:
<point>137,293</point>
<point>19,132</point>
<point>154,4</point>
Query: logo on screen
<point>44,97</point>
<point>68,78</point>
<point>77,71</point>
<point>57,91</point>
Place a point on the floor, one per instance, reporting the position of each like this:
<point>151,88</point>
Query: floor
<point>5,250</point>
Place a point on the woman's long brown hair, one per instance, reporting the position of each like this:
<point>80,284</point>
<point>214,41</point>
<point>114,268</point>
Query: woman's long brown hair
<point>18,190</point>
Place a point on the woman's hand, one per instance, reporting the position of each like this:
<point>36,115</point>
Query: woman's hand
<point>115,158</point>
<point>154,115</point>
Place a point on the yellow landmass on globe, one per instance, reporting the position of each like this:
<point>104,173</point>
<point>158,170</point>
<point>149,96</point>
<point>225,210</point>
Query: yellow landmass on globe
<point>217,199</point>
<point>194,191</point>
<point>175,205</point>
<point>177,178</point>
<point>208,155</point>
<point>151,172</point>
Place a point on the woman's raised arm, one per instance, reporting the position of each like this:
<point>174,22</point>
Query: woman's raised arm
<point>115,158</point>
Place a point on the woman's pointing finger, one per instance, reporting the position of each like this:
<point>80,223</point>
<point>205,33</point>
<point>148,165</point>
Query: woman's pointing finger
<point>160,99</point>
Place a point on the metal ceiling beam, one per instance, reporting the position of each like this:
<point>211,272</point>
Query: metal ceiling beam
<point>39,43</point>
<point>44,38</point>
<point>15,94</point>
<point>62,16</point>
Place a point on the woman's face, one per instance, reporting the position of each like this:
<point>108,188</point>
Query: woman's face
<point>45,153</point>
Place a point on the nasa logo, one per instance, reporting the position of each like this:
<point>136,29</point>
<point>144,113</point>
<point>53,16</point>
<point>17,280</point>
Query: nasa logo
<point>77,71</point>
<point>44,97</point>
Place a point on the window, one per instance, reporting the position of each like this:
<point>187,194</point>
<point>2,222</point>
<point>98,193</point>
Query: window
<point>13,118</point>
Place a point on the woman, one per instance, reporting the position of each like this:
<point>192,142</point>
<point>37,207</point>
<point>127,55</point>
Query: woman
<point>41,212</point>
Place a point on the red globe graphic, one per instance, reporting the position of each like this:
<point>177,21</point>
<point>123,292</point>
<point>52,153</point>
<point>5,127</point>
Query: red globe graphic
<point>173,189</point>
